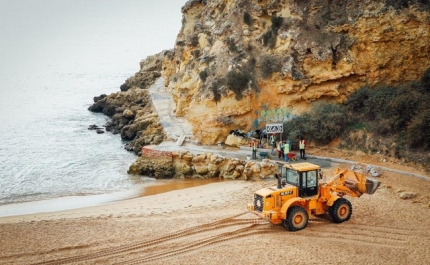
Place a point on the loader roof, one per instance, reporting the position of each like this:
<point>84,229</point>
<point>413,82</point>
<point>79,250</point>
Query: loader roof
<point>305,166</point>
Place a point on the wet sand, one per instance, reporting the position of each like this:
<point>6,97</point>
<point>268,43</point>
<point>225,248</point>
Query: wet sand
<point>84,201</point>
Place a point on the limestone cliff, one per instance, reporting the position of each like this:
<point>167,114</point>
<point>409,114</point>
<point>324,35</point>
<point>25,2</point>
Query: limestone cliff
<point>240,64</point>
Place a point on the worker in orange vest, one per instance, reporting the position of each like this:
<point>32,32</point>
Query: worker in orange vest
<point>254,149</point>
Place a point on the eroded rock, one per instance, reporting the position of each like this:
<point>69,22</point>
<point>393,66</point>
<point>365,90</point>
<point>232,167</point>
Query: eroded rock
<point>406,195</point>
<point>187,165</point>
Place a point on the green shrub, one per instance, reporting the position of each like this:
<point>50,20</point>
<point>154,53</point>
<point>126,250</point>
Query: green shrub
<point>328,122</point>
<point>425,80</point>
<point>378,102</point>
<point>208,59</point>
<point>419,130</point>
<point>324,123</point>
<point>403,107</point>
<point>237,81</point>
<point>215,85</point>
<point>269,39</point>
<point>231,44</point>
<point>247,18</point>
<point>402,113</point>
<point>381,126</point>
<point>196,53</point>
<point>356,101</point>
<point>194,41</point>
<point>269,65</point>
<point>296,74</point>
<point>252,62</point>
<point>203,75</point>
<point>222,7</point>
<point>298,127</point>
<point>372,103</point>
<point>217,95</point>
<point>276,23</point>
<point>210,40</point>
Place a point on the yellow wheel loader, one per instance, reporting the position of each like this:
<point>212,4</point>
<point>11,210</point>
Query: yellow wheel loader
<point>298,195</point>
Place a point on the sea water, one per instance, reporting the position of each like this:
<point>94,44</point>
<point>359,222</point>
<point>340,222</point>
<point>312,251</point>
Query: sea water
<point>55,56</point>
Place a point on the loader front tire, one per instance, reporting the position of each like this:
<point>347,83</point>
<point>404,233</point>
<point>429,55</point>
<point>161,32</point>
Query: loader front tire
<point>297,219</point>
<point>341,210</point>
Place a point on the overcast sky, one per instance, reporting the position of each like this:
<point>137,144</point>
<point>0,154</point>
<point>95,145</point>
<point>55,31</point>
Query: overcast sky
<point>29,29</point>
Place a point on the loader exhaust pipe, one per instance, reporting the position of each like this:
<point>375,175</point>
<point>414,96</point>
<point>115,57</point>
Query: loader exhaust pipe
<point>278,176</point>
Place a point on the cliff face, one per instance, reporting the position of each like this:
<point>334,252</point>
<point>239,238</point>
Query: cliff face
<point>243,63</point>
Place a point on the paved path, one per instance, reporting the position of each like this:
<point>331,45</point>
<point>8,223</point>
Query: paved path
<point>175,127</point>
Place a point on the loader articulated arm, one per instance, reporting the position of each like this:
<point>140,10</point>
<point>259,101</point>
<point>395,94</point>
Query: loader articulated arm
<point>352,183</point>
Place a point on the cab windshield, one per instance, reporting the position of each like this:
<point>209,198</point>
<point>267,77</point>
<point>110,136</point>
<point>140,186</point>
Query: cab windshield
<point>292,177</point>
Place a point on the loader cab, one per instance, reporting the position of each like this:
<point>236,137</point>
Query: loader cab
<point>302,175</point>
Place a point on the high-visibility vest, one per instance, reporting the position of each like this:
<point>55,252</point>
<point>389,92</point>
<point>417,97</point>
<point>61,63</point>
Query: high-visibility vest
<point>272,138</point>
<point>278,146</point>
<point>302,144</point>
<point>286,148</point>
<point>254,146</point>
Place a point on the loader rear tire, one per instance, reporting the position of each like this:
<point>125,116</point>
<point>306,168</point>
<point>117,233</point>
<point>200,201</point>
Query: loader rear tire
<point>341,210</point>
<point>297,219</point>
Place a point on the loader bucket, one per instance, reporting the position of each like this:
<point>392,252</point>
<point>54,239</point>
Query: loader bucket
<point>358,181</point>
<point>372,186</point>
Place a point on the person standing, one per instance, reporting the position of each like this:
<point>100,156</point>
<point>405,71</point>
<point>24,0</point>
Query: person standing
<point>272,142</point>
<point>286,151</point>
<point>254,149</point>
<point>302,145</point>
<point>279,149</point>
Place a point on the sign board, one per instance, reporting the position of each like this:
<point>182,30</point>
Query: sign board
<point>274,128</point>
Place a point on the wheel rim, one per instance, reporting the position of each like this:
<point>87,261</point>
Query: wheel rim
<point>343,211</point>
<point>298,219</point>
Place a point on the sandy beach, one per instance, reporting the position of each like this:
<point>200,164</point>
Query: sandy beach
<point>209,224</point>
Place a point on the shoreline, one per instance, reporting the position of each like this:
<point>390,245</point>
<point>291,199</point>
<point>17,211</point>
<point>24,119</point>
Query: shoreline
<point>131,206</point>
<point>67,203</point>
<point>64,203</point>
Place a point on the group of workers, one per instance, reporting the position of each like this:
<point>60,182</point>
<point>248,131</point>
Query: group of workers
<point>282,147</point>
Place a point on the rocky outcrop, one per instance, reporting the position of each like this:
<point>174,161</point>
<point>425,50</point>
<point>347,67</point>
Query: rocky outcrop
<point>133,114</point>
<point>207,165</point>
<point>237,141</point>
<point>156,168</point>
<point>150,70</point>
<point>241,64</point>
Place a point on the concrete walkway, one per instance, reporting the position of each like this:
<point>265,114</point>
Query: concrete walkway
<point>176,128</point>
